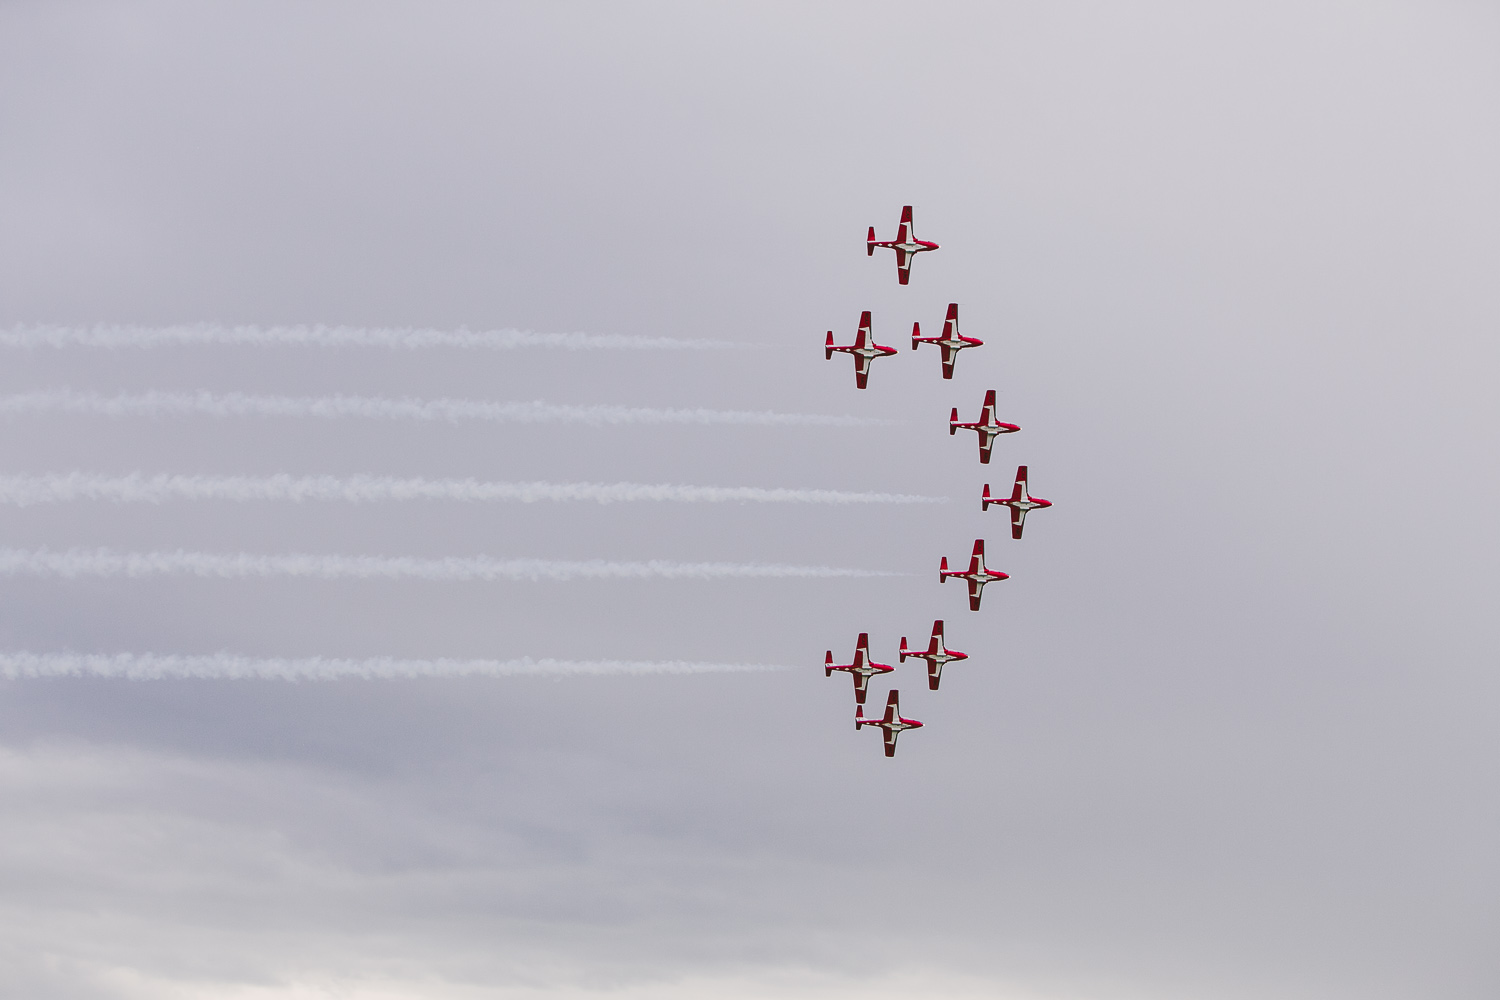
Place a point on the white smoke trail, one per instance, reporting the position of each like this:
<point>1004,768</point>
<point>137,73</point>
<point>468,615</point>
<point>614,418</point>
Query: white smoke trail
<point>226,666</point>
<point>74,563</point>
<point>238,404</point>
<point>395,338</point>
<point>25,491</point>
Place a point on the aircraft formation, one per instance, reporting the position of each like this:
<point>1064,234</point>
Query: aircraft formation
<point>950,342</point>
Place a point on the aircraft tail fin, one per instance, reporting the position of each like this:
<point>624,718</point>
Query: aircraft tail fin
<point>828,664</point>
<point>952,421</point>
<point>916,331</point>
<point>870,243</point>
<point>984,498</point>
<point>903,649</point>
<point>859,717</point>
<point>943,571</point>
<point>828,347</point>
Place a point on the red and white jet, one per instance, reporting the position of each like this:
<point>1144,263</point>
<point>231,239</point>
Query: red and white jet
<point>987,427</point>
<point>864,350</point>
<point>905,244</point>
<point>937,654</point>
<point>951,341</point>
<point>862,669</point>
<point>1019,503</point>
<point>892,724</point>
<point>976,575</point>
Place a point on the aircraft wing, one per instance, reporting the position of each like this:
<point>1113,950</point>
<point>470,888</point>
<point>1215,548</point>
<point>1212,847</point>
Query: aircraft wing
<point>861,686</point>
<point>934,673</point>
<point>890,741</point>
<point>949,354</point>
<point>1017,522</point>
<point>986,442</point>
<point>950,322</point>
<point>861,370</point>
<point>903,265</point>
<point>976,591</point>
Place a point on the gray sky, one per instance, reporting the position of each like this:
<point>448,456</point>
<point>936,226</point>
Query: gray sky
<point>1229,729</point>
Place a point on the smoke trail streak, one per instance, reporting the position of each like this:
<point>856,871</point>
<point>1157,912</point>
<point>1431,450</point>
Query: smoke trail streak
<point>395,338</point>
<point>226,666</point>
<point>25,491</point>
<point>238,404</point>
<point>75,563</point>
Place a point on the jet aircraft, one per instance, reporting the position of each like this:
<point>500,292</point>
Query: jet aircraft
<point>1019,503</point>
<point>937,654</point>
<point>987,427</point>
<point>862,669</point>
<point>951,341</point>
<point>892,724</point>
<point>905,244</point>
<point>976,575</point>
<point>864,350</point>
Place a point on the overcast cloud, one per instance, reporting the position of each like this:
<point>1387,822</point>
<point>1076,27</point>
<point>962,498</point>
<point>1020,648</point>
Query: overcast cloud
<point>1228,731</point>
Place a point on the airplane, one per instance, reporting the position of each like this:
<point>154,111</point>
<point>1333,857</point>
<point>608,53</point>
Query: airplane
<point>892,724</point>
<point>951,341</point>
<point>986,426</point>
<point>905,244</point>
<point>864,350</point>
<point>937,654</point>
<point>1019,503</point>
<point>862,669</point>
<point>977,576</point>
